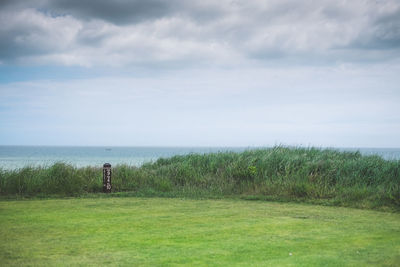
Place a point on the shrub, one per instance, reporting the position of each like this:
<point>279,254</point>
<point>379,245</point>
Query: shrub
<point>344,178</point>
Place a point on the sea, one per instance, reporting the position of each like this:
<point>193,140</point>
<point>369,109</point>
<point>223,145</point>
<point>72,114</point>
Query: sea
<point>15,157</point>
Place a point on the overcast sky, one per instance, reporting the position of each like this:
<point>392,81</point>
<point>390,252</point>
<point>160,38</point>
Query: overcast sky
<point>200,73</point>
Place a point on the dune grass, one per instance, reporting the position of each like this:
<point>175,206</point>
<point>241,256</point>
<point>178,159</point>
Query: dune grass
<point>165,232</point>
<point>327,177</point>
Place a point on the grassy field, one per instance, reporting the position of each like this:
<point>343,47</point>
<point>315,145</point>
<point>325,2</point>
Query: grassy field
<point>159,231</point>
<point>327,177</point>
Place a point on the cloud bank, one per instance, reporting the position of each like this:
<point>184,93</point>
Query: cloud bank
<point>178,33</point>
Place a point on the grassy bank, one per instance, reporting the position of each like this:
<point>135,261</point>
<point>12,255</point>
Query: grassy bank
<point>169,232</point>
<point>280,173</point>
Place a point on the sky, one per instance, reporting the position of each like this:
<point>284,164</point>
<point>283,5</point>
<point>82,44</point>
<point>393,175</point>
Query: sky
<point>200,73</point>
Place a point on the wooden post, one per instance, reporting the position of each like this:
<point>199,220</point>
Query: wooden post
<point>107,178</point>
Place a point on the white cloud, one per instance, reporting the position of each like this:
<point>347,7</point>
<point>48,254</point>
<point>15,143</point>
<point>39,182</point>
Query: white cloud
<point>31,33</point>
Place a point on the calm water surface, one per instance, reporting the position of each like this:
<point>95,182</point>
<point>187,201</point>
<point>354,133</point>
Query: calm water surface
<point>14,157</point>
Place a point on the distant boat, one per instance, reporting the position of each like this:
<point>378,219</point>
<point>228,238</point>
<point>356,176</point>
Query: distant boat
<point>108,149</point>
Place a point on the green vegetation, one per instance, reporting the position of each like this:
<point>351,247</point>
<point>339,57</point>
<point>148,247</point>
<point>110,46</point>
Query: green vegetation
<point>156,231</point>
<point>326,177</point>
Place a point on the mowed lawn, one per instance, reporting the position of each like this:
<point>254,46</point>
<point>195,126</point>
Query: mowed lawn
<point>157,231</point>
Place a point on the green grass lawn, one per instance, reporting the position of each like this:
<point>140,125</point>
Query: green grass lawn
<point>157,231</point>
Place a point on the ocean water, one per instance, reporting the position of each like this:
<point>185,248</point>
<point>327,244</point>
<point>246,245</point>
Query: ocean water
<point>14,157</point>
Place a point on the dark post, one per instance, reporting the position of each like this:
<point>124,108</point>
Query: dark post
<point>107,178</point>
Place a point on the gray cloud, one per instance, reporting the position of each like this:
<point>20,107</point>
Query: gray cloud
<point>385,32</point>
<point>183,33</point>
<point>118,12</point>
<point>123,11</point>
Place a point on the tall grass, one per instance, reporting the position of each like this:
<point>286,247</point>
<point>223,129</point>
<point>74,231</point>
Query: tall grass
<point>280,173</point>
